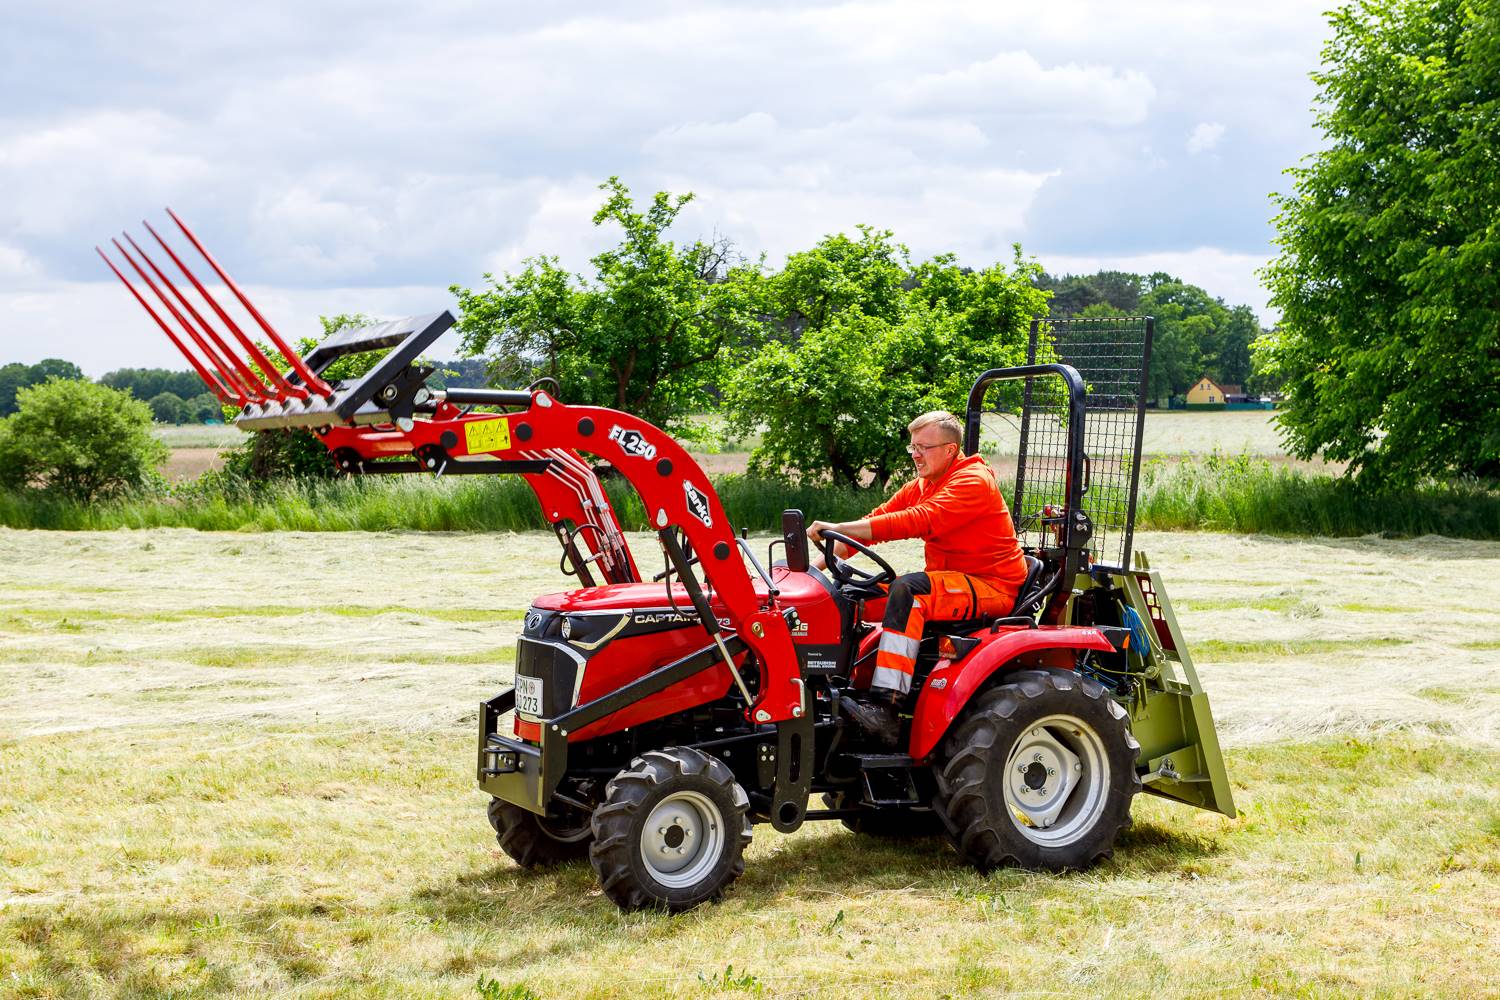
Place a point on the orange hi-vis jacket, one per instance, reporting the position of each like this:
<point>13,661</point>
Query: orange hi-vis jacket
<point>963,519</point>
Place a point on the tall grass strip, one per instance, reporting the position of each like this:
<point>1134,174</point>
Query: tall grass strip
<point>1240,495</point>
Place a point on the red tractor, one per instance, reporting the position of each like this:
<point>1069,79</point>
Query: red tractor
<point>654,722</point>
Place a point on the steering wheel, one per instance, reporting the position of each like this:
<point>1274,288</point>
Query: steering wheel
<point>846,575</point>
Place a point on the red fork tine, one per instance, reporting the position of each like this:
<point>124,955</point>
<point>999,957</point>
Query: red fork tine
<point>292,357</point>
<point>208,378</point>
<point>240,377</point>
<point>226,377</point>
<point>280,387</point>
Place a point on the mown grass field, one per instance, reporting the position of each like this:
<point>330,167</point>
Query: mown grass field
<point>242,765</point>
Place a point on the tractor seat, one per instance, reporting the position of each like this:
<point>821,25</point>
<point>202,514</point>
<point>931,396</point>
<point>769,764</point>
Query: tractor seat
<point>1028,602</point>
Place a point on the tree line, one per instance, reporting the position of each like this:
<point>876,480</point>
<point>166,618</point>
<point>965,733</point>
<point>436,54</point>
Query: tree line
<point>173,397</point>
<point>821,362</point>
<point>824,359</point>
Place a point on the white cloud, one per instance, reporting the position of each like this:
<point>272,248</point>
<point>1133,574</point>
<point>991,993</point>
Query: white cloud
<point>93,170</point>
<point>16,268</point>
<point>1206,136</point>
<point>1015,84</point>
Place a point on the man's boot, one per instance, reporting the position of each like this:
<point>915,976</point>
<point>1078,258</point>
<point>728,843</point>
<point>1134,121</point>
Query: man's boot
<point>874,711</point>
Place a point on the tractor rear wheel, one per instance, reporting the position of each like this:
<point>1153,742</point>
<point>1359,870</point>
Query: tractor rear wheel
<point>533,841</point>
<point>895,824</point>
<point>671,832</point>
<point>1039,773</point>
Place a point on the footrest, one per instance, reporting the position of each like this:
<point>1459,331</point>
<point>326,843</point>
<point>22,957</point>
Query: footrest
<point>867,761</point>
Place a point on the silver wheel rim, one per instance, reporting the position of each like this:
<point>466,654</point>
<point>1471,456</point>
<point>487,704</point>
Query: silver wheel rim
<point>683,839</point>
<point>1056,781</point>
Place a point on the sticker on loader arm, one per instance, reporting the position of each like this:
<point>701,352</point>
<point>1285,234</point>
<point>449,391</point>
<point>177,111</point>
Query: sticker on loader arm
<point>697,504</point>
<point>486,435</point>
<point>632,442</point>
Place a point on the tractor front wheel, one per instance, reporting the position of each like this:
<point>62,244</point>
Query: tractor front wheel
<point>1039,774</point>
<point>671,832</point>
<point>533,841</point>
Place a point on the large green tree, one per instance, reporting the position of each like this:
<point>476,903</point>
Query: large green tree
<point>1388,277</point>
<point>877,341</point>
<point>655,327</point>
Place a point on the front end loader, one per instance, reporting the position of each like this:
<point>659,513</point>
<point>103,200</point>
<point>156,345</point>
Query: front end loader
<point>654,721</point>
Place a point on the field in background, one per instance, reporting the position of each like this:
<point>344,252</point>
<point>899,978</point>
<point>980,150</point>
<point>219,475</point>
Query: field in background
<point>1170,434</point>
<point>241,763</point>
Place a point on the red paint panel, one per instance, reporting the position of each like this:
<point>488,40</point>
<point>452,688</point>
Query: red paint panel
<point>937,706</point>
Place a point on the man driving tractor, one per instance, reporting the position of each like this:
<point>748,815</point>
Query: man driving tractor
<point>974,562</point>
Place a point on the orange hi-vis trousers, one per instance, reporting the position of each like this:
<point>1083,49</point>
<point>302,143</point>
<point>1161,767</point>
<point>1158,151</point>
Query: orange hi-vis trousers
<point>918,598</point>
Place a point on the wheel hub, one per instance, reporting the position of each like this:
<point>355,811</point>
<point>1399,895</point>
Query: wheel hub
<point>682,839</point>
<point>1056,776</point>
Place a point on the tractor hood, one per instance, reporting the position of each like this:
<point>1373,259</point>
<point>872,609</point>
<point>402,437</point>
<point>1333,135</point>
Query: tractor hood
<point>796,590</point>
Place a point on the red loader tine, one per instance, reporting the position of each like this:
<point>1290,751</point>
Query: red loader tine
<point>292,357</point>
<point>203,373</point>
<point>226,378</point>
<point>280,387</point>
<point>240,375</point>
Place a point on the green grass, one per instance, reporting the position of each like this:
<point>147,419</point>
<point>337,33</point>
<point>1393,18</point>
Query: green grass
<point>73,619</point>
<point>471,503</point>
<point>199,435</point>
<point>353,863</point>
<point>1240,495</point>
<point>1248,496</point>
<point>1224,650</point>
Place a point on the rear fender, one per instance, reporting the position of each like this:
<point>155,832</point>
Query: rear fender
<point>950,686</point>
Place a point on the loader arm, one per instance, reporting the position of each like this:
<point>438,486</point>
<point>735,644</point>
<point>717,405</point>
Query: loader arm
<point>388,420</point>
<point>675,490</point>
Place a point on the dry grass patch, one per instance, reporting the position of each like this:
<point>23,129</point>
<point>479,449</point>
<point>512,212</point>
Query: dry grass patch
<point>266,789</point>
<point>238,860</point>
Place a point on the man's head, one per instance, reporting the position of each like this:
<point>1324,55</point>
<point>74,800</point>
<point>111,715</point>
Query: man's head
<point>936,442</point>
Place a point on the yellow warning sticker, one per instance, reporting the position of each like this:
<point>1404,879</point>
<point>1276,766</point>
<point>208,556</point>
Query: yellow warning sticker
<point>487,435</point>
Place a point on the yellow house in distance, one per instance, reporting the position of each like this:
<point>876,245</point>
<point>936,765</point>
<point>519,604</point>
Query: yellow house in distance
<point>1206,392</point>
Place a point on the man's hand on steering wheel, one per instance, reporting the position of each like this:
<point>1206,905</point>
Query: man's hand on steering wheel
<point>846,575</point>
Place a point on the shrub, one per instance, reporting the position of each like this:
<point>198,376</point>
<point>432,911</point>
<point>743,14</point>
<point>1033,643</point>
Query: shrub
<point>168,408</point>
<point>79,441</point>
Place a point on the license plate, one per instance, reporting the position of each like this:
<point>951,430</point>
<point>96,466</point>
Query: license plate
<point>529,696</point>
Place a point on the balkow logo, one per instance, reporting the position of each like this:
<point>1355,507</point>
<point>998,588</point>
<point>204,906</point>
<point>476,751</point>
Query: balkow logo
<point>697,504</point>
<point>632,442</point>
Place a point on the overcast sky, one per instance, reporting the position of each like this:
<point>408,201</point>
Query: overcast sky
<point>362,156</point>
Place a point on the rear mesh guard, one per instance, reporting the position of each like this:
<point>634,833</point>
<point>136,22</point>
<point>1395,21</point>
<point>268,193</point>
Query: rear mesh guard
<point>1112,355</point>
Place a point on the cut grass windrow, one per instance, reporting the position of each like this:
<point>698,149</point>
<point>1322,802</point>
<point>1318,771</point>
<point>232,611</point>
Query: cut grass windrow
<point>1225,650</point>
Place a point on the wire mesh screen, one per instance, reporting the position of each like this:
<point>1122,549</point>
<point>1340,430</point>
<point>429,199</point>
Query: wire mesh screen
<point>1112,355</point>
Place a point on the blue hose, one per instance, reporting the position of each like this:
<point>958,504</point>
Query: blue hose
<point>1140,637</point>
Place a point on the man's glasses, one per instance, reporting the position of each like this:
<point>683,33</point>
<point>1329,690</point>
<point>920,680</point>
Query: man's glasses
<point>921,449</point>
